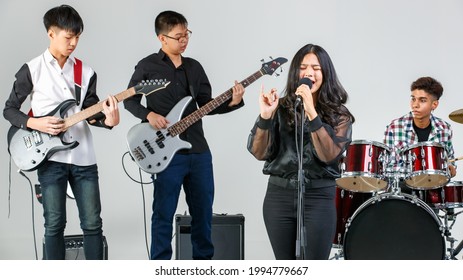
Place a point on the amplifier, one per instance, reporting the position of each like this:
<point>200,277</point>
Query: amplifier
<point>227,237</point>
<point>74,245</point>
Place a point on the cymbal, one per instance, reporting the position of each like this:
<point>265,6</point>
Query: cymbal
<point>457,116</point>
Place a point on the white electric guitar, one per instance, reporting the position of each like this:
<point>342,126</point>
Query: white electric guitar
<point>30,148</point>
<point>154,149</point>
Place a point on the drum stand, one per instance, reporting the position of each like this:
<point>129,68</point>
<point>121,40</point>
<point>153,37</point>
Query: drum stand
<point>454,252</point>
<point>451,216</point>
<point>395,189</point>
<point>339,255</point>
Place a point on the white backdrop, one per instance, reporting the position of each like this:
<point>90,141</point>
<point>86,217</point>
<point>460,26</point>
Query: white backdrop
<point>378,48</point>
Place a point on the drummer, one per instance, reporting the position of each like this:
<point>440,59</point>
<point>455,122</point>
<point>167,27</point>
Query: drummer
<point>420,125</point>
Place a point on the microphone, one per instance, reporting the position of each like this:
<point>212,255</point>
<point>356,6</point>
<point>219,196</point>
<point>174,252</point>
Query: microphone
<point>303,81</point>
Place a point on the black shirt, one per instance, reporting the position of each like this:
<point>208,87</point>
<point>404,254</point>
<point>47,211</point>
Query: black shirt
<point>189,79</point>
<point>423,133</point>
<point>274,141</point>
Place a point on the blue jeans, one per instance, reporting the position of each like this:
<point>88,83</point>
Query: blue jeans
<point>280,217</point>
<point>194,172</point>
<point>53,177</point>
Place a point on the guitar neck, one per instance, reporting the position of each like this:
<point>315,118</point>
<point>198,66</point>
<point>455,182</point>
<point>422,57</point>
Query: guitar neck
<point>186,122</point>
<point>95,109</point>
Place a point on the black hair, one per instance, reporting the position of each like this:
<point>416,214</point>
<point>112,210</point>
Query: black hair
<point>64,17</point>
<point>331,95</point>
<point>167,20</point>
<point>429,85</point>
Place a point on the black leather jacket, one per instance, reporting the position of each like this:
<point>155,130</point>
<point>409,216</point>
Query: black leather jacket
<point>274,141</point>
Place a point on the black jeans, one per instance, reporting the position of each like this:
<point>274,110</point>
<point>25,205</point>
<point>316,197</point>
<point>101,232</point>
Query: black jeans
<point>54,176</point>
<point>280,217</point>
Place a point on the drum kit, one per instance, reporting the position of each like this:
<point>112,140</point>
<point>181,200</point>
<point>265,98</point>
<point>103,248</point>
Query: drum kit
<point>399,213</point>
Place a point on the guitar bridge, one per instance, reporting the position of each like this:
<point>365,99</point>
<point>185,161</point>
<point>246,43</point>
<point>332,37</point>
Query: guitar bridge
<point>138,153</point>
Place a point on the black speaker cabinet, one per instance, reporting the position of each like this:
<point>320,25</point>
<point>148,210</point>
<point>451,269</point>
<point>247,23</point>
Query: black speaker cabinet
<point>74,245</point>
<point>227,237</point>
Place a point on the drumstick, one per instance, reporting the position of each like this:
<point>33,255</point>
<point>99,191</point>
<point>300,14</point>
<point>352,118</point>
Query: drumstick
<point>455,159</point>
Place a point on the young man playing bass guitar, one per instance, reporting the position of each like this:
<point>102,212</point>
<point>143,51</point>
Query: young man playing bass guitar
<point>191,168</point>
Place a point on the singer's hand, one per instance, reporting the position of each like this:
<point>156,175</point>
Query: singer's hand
<point>267,102</point>
<point>157,121</point>
<point>308,99</point>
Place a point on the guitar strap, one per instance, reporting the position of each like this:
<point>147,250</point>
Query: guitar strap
<point>77,82</point>
<point>190,87</point>
<point>78,79</point>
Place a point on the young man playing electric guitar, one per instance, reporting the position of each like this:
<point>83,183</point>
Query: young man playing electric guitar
<point>49,80</point>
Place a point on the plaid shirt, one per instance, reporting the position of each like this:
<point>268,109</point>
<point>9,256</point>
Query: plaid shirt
<point>399,135</point>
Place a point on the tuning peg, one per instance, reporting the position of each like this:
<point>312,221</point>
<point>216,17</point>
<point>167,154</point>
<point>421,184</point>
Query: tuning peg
<point>270,57</point>
<point>262,60</point>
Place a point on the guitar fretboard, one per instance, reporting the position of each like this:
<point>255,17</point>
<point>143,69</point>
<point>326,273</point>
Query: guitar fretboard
<point>186,122</point>
<point>95,109</point>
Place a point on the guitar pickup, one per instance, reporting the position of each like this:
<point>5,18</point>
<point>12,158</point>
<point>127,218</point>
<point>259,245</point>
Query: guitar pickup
<point>33,138</point>
<point>27,141</point>
<point>160,139</point>
<point>37,137</point>
<point>148,146</point>
<point>160,144</point>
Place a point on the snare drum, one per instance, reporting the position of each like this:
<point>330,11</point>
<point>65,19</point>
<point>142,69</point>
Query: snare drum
<point>346,204</point>
<point>427,167</point>
<point>453,195</point>
<point>363,168</point>
<point>394,227</point>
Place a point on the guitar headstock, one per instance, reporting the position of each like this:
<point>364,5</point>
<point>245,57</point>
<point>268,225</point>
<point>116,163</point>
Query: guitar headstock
<point>271,66</point>
<point>149,86</point>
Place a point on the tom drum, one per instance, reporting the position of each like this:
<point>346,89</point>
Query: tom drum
<point>363,168</point>
<point>426,164</point>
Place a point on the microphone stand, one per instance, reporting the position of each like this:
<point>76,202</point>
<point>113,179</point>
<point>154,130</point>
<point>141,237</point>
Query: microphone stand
<point>300,237</point>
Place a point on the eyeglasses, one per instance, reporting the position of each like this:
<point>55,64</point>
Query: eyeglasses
<point>182,38</point>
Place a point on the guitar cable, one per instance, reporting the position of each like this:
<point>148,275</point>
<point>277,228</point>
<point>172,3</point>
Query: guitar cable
<point>32,201</point>
<point>143,198</point>
<point>9,188</point>
<point>33,212</point>
<point>130,177</point>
